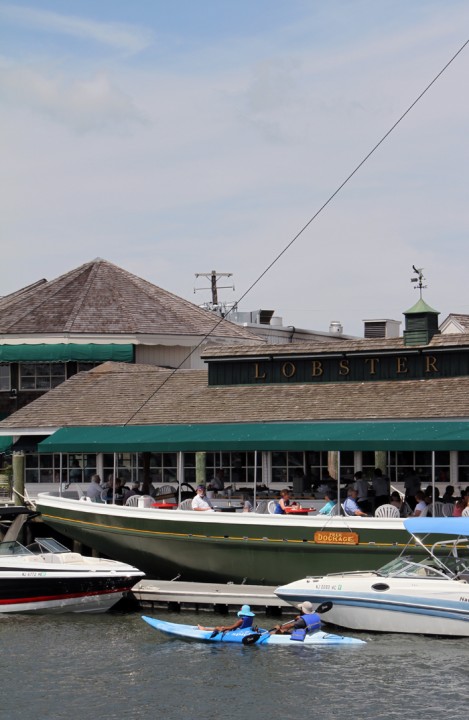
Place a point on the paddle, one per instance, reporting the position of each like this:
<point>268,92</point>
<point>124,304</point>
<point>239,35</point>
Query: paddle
<point>254,637</point>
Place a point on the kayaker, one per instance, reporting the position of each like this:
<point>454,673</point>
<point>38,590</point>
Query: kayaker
<point>245,620</point>
<point>200,501</point>
<point>304,624</point>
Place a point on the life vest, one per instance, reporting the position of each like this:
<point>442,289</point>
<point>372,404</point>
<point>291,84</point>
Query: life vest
<point>247,622</point>
<point>313,623</point>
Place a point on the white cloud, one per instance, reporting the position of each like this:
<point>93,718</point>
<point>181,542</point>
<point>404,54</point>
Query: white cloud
<point>94,103</point>
<point>127,38</point>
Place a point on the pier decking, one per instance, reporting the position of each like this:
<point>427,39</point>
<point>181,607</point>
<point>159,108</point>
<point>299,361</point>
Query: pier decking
<point>211,597</point>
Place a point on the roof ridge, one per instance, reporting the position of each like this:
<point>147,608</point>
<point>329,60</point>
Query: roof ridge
<point>81,300</point>
<point>49,283</point>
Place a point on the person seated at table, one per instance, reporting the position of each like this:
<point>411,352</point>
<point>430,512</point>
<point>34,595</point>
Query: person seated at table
<point>200,501</point>
<point>284,502</point>
<point>448,496</point>
<point>247,504</point>
<point>461,504</point>
<point>398,501</point>
<point>218,480</point>
<point>331,501</point>
<point>304,624</point>
<point>421,506</point>
<point>351,506</point>
<point>93,491</point>
<point>245,620</point>
<point>134,490</point>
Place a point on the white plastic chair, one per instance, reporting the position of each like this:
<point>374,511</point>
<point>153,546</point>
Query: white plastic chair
<point>262,507</point>
<point>272,504</point>
<point>387,510</point>
<point>132,501</point>
<point>437,509</point>
<point>465,512</point>
<point>185,504</point>
<point>165,490</point>
<point>145,501</point>
<point>448,509</point>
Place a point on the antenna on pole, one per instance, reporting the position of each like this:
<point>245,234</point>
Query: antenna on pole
<point>213,277</point>
<point>419,279</point>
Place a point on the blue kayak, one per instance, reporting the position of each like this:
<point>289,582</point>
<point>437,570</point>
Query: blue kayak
<point>260,637</point>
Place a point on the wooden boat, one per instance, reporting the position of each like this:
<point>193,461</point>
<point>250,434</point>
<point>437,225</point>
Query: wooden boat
<point>427,596</point>
<point>253,548</point>
<point>262,637</point>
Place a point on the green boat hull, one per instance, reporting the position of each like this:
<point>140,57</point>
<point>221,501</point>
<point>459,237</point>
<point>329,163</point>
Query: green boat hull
<point>260,549</point>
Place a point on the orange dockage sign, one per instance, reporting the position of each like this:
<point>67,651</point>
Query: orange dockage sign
<point>329,537</point>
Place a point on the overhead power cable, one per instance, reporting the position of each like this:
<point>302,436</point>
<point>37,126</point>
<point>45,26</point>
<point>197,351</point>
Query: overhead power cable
<point>300,232</point>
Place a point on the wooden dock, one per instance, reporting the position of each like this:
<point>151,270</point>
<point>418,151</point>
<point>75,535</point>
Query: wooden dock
<point>211,597</point>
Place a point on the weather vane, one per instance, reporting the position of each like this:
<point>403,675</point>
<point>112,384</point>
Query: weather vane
<point>419,279</point>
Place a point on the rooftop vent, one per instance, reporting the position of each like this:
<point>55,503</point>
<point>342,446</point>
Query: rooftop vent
<point>381,329</point>
<point>258,317</point>
<point>335,327</point>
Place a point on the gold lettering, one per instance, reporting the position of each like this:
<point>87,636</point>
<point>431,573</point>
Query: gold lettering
<point>344,368</point>
<point>316,368</point>
<point>430,364</point>
<point>257,376</point>
<point>373,362</point>
<point>288,369</point>
<point>401,363</point>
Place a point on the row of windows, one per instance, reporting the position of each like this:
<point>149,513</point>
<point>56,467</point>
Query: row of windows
<point>240,468</point>
<point>38,376</point>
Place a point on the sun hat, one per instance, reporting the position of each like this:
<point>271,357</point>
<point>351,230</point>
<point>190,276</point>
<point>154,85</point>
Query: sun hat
<point>246,611</point>
<point>305,607</point>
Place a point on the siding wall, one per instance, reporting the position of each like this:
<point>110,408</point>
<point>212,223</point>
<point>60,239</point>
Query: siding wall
<point>168,356</point>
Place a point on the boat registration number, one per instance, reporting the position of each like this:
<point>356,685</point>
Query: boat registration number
<point>329,537</point>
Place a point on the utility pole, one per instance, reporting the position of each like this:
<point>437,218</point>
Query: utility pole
<point>213,277</point>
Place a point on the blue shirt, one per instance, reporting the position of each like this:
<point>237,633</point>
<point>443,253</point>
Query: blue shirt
<point>350,506</point>
<point>327,509</point>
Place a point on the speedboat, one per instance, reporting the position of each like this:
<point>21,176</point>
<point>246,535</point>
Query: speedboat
<point>407,595</point>
<point>248,636</point>
<point>46,577</point>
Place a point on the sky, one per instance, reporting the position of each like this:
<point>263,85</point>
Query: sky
<point>175,137</point>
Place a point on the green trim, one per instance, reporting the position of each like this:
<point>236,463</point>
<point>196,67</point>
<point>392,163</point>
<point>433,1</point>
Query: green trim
<point>66,352</point>
<point>5,443</point>
<point>416,435</point>
<point>421,307</point>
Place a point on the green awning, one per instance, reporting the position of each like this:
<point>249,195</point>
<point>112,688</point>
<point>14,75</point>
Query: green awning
<point>5,443</point>
<point>65,352</point>
<point>416,435</point>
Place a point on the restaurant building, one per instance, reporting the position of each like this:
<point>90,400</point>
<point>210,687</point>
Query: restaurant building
<point>269,413</point>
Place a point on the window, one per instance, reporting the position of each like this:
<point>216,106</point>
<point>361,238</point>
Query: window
<point>4,377</point>
<point>41,376</point>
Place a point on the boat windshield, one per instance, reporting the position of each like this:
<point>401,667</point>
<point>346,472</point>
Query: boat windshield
<point>14,548</point>
<point>406,567</point>
<point>47,545</point>
<point>41,546</point>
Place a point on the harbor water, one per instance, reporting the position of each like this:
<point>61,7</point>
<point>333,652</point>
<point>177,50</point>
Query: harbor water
<point>115,666</point>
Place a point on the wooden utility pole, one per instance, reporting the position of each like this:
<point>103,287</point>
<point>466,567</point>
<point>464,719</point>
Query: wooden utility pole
<point>214,276</point>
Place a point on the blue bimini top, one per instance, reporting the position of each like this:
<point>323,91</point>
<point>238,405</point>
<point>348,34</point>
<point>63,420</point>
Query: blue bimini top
<point>439,525</point>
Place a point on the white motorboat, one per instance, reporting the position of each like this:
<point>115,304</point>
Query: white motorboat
<point>408,595</point>
<point>46,577</point>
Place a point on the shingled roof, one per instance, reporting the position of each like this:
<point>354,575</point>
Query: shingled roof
<point>102,298</point>
<point>118,394</point>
